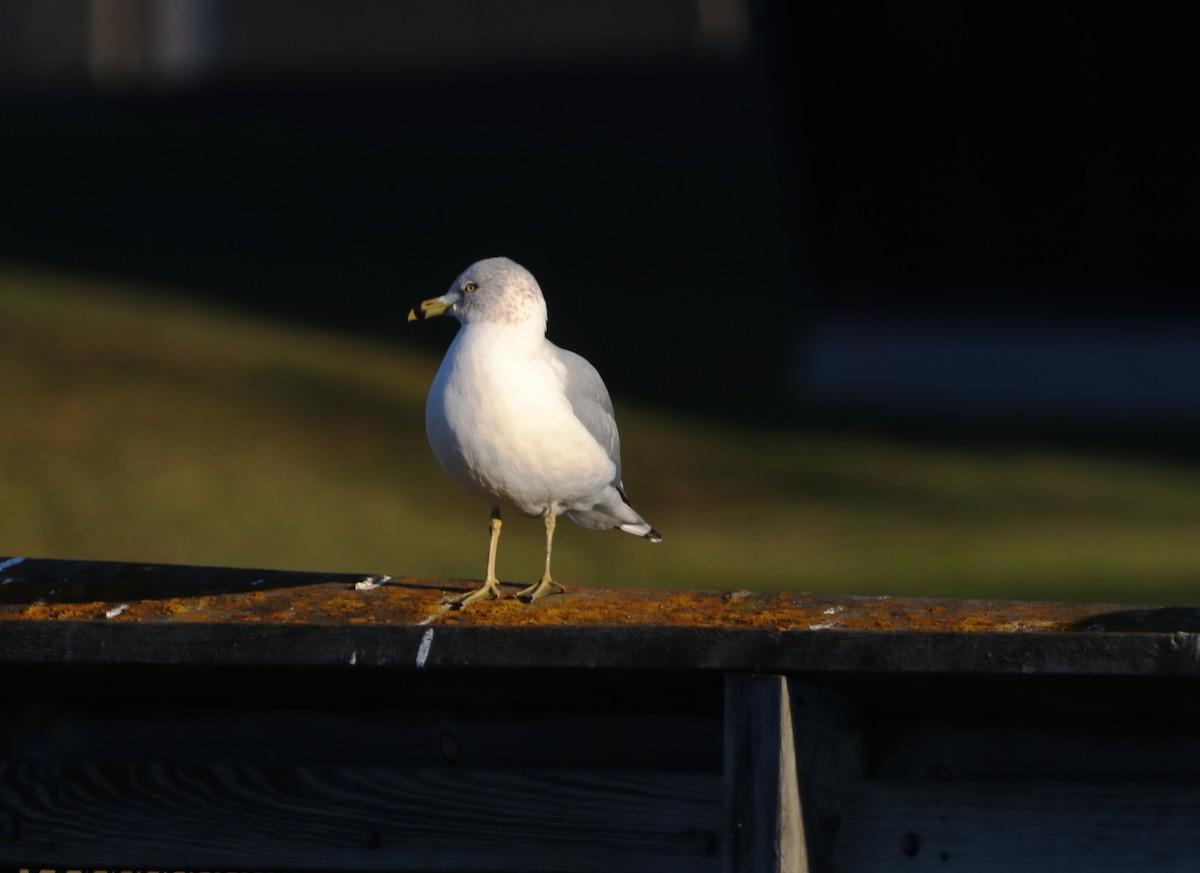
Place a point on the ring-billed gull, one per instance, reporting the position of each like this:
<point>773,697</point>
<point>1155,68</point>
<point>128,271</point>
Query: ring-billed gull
<point>520,422</point>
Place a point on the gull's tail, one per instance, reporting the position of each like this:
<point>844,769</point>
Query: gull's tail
<point>612,510</point>
<point>642,530</point>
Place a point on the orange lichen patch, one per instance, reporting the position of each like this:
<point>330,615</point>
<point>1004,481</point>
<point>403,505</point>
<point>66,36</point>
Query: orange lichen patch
<point>82,591</point>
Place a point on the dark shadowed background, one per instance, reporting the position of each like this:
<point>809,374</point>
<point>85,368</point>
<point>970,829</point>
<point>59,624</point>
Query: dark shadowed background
<point>734,177</point>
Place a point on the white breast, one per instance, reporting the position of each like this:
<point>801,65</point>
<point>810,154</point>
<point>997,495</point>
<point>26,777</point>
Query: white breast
<point>501,426</point>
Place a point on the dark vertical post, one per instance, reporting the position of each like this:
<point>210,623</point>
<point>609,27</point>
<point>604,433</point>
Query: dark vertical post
<point>829,765</point>
<point>762,798</point>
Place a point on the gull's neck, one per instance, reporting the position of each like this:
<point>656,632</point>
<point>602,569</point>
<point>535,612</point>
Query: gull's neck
<point>525,331</point>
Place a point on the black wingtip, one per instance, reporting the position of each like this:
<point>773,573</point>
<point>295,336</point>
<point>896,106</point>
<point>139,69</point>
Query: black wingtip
<point>653,535</point>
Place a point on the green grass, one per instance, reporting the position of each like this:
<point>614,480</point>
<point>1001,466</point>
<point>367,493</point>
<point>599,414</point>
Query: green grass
<point>139,426</point>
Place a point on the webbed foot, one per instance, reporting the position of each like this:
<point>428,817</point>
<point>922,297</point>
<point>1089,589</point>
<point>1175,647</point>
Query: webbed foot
<point>542,588</point>
<point>489,590</point>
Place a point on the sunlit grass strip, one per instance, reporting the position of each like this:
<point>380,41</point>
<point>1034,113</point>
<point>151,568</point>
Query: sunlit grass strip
<point>140,425</point>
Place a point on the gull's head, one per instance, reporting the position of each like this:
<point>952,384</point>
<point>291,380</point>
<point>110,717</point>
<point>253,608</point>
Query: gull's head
<point>492,290</point>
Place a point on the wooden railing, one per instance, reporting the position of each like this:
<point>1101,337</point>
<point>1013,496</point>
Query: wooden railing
<point>175,718</point>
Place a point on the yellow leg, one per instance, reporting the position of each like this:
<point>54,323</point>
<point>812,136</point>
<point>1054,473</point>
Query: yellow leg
<point>545,585</point>
<point>490,589</point>
<point>493,541</point>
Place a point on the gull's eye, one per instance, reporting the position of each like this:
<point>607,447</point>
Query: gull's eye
<point>470,287</point>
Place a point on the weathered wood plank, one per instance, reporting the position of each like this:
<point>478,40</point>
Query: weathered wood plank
<point>1114,749</point>
<point>540,738</point>
<point>38,589</point>
<point>584,647</point>
<point>58,612</point>
<point>1024,825</point>
<point>762,799</point>
<point>252,816</point>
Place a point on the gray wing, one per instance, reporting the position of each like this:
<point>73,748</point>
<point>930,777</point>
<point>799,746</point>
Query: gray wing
<point>591,404</point>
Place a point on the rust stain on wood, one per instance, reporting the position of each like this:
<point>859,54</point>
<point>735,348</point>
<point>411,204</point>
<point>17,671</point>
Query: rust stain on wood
<point>93,591</point>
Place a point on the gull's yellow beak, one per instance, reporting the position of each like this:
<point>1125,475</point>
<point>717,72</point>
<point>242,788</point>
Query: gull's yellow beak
<point>428,308</point>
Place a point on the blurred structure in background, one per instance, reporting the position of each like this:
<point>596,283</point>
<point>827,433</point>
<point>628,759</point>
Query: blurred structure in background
<point>163,43</point>
<point>334,162</point>
<point>1010,372</point>
<point>1002,215</point>
<point>158,42</point>
<point>917,215</point>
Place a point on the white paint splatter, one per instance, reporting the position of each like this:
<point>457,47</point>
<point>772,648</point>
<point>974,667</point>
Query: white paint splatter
<point>11,562</point>
<point>116,610</point>
<point>423,649</point>
<point>370,583</point>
